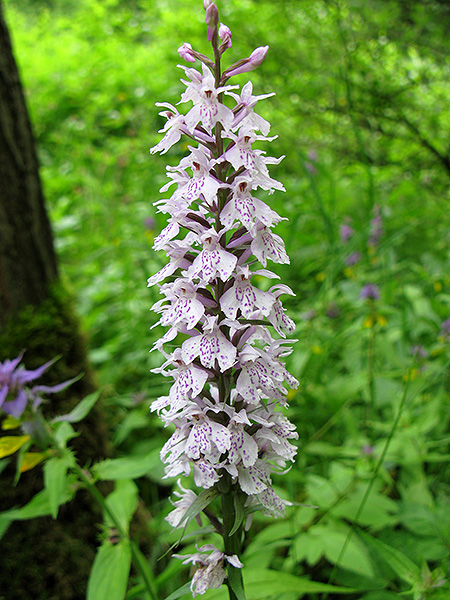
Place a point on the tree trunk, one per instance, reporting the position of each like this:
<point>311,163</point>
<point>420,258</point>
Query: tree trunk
<point>27,258</point>
<point>42,559</point>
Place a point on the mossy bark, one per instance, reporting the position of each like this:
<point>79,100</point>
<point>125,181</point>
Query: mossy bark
<point>46,559</point>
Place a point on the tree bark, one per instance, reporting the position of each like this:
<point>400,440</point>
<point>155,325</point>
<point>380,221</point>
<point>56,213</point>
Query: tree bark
<point>43,559</point>
<point>27,258</point>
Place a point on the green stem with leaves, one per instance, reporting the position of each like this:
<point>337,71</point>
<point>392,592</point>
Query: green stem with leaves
<point>138,558</point>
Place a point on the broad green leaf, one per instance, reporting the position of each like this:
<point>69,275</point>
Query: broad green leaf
<point>265,583</point>
<point>122,502</point>
<point>379,510</point>
<point>354,557</point>
<point>38,506</point>
<point>55,472</point>
<point>403,566</point>
<point>81,409</point>
<point>11,443</point>
<point>30,460</point>
<point>110,571</point>
<point>309,547</point>
<point>275,532</point>
<point>133,420</point>
<point>128,467</point>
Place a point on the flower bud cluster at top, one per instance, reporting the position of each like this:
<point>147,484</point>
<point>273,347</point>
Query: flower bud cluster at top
<point>229,378</point>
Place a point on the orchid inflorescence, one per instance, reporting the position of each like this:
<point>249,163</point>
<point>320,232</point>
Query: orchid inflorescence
<point>229,378</point>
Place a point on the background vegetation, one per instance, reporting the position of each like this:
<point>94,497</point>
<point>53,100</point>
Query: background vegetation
<point>362,116</point>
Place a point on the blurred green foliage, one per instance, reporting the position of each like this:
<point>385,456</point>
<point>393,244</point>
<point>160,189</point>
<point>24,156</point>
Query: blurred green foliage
<point>361,112</point>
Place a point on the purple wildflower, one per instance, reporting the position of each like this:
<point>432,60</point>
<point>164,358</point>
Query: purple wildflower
<point>370,292</point>
<point>310,168</point>
<point>310,163</point>
<point>149,223</point>
<point>15,392</point>
<point>346,231</point>
<point>353,259</point>
<point>211,571</point>
<point>333,311</point>
<point>376,227</point>
<point>419,351</point>
<point>445,328</point>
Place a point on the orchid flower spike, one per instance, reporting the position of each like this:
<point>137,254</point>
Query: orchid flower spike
<point>226,338</point>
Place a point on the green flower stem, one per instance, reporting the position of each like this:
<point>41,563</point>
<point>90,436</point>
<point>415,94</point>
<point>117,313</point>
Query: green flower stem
<point>232,543</point>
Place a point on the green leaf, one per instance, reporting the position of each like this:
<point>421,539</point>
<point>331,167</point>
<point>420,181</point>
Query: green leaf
<point>135,419</point>
<point>184,589</point>
<point>4,524</point>
<point>55,472</point>
<point>38,506</point>
<point>122,502</point>
<point>63,433</point>
<point>30,460</point>
<point>354,557</point>
<point>11,443</point>
<point>110,571</point>
<point>235,581</point>
<point>380,595</point>
<point>202,501</point>
<point>10,423</point>
<point>378,511</point>
<point>260,584</point>
<point>128,467</point>
<point>80,410</point>
<point>239,508</point>
<point>309,547</point>
<point>403,566</point>
<point>265,583</point>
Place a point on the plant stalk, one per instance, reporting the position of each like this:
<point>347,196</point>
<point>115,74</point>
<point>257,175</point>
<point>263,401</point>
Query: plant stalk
<point>232,543</point>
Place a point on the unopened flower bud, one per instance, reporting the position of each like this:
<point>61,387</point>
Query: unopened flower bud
<point>258,56</point>
<point>185,52</point>
<point>212,19</point>
<point>225,36</point>
<point>255,59</point>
